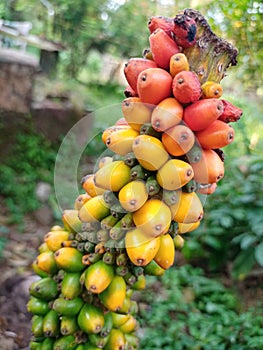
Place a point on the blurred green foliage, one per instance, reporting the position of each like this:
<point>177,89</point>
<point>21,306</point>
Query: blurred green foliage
<point>232,229</point>
<point>185,310</point>
<point>32,161</point>
<point>241,23</point>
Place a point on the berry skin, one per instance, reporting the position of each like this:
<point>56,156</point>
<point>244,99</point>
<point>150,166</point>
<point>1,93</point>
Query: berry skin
<point>154,85</point>
<point>162,48</point>
<point>231,113</point>
<point>165,23</point>
<point>186,87</point>
<point>184,31</point>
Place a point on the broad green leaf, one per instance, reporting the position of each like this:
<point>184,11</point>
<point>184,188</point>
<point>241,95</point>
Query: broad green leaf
<point>247,241</point>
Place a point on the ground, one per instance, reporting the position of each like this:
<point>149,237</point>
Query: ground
<point>16,275</point>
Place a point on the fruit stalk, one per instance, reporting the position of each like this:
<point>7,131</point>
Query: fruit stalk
<point>211,55</point>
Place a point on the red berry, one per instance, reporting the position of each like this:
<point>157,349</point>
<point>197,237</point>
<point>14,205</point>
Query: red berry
<point>186,87</point>
<point>165,23</point>
<point>162,47</point>
<point>231,112</point>
<point>184,30</point>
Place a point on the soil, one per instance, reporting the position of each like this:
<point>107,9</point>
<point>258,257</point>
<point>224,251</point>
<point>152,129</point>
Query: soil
<point>16,276</point>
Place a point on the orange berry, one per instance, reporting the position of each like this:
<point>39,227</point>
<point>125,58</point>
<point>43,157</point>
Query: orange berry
<point>166,114</point>
<point>217,135</point>
<point>134,67</point>
<point>211,89</point>
<point>154,85</point>
<point>178,63</point>
<point>209,169</point>
<point>178,140</point>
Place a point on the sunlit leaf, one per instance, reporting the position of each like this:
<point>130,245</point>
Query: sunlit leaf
<point>247,241</point>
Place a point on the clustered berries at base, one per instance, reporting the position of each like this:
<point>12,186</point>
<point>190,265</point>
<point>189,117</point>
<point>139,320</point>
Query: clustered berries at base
<point>83,297</point>
<point>164,157</point>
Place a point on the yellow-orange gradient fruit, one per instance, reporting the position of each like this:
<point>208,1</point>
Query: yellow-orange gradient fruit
<point>89,186</point>
<point>120,141</point>
<point>167,113</point>
<point>174,174</point>
<point>178,63</point>
<point>211,89</point>
<point>153,218</point>
<point>184,228</point>
<point>135,112</point>
<point>141,248</point>
<point>94,210</point>
<point>106,133</point>
<point>188,209</point>
<point>178,140</point>
<point>166,253</point>
<point>112,176</point>
<point>133,195</point>
<point>150,152</point>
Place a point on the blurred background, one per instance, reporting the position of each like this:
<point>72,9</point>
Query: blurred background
<point>63,60</point>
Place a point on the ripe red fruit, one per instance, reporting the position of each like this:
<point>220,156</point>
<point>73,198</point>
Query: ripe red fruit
<point>165,23</point>
<point>200,114</point>
<point>184,30</point>
<point>231,113</point>
<point>162,48</point>
<point>186,87</point>
<point>129,92</point>
<point>134,67</point>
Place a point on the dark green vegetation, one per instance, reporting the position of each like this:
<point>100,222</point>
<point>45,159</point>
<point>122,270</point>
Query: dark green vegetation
<point>189,311</point>
<point>32,160</point>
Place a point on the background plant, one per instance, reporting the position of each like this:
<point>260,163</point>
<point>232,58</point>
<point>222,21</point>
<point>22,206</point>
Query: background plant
<point>190,311</point>
<point>32,160</point>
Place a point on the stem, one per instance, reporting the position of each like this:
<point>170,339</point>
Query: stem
<point>210,56</point>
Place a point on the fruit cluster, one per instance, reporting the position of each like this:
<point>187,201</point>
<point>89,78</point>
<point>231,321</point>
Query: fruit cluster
<point>82,299</point>
<point>165,156</point>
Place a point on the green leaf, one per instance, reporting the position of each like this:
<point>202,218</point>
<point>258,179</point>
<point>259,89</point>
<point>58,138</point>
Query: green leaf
<point>259,254</point>
<point>214,242</point>
<point>243,263</point>
<point>247,241</point>
<point>239,238</point>
<point>226,221</point>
